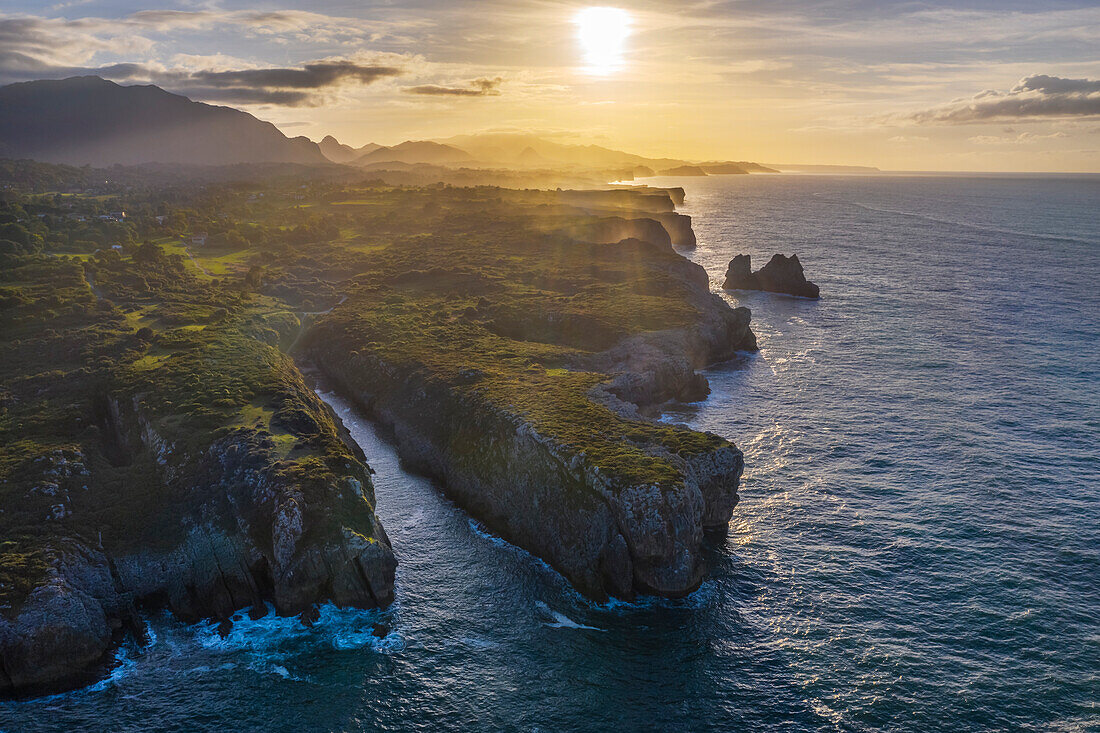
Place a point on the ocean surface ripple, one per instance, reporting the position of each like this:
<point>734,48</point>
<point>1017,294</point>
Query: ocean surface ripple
<point>917,546</point>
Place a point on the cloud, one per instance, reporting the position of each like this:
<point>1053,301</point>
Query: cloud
<point>476,88</point>
<point>285,86</point>
<point>35,47</point>
<point>291,87</point>
<point>40,48</point>
<point>1037,97</point>
<point>1055,85</point>
<point>309,76</point>
<point>1021,139</point>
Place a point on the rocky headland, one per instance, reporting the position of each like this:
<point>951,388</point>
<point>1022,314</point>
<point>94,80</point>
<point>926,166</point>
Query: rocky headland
<point>781,275</point>
<point>523,376</point>
<point>159,447</point>
<point>161,451</point>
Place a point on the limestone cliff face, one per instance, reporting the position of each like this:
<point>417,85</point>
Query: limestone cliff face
<point>609,535</point>
<point>606,538</point>
<point>678,227</point>
<point>663,227</point>
<point>251,529</point>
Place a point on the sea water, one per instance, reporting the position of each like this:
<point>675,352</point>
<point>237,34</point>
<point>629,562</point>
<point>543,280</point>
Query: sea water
<point>917,546</point>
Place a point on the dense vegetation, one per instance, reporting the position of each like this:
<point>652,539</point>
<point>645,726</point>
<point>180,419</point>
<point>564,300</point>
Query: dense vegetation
<point>143,322</point>
<point>100,352</point>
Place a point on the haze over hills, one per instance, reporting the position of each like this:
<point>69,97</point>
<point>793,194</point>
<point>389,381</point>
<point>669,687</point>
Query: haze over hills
<point>517,148</point>
<point>413,152</point>
<point>337,152</point>
<point>802,168</point>
<point>529,152</point>
<point>91,121</point>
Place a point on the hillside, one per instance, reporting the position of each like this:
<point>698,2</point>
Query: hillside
<point>91,121</point>
<point>513,148</point>
<point>338,152</point>
<point>414,152</point>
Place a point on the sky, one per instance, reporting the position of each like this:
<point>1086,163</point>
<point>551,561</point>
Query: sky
<point>998,85</point>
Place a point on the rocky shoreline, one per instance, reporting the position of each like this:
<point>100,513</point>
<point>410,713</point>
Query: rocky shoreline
<point>255,533</point>
<point>517,345</point>
<point>609,535</point>
<point>204,480</point>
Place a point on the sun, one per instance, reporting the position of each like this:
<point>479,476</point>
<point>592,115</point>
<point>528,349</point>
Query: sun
<point>602,33</point>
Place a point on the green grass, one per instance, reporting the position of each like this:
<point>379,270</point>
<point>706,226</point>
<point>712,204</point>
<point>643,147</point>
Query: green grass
<point>191,363</point>
<point>468,290</point>
<point>517,306</point>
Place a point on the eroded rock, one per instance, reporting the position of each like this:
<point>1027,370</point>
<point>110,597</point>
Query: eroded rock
<point>781,275</point>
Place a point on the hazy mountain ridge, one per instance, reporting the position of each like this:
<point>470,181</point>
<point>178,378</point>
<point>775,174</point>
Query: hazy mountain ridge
<point>415,151</point>
<point>337,152</point>
<point>90,121</point>
<point>531,152</point>
<point>804,168</point>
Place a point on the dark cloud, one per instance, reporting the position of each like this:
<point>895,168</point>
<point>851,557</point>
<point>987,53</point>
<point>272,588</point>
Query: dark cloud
<point>55,48</point>
<point>290,87</point>
<point>245,95</point>
<point>476,88</point>
<point>1033,98</point>
<point>1056,85</point>
<point>310,76</point>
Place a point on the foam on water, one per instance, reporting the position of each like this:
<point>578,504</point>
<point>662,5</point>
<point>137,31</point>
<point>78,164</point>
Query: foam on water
<point>271,635</point>
<point>560,620</point>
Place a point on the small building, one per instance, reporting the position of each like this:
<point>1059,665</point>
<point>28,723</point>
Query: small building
<point>198,240</point>
<point>161,219</point>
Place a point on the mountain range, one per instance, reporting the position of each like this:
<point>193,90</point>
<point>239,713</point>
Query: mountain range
<point>87,120</point>
<point>337,152</point>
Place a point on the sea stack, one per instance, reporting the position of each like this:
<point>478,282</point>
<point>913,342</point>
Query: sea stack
<point>780,275</point>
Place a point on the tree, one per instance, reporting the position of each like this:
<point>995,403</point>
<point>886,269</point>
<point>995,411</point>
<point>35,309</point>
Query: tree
<point>255,278</point>
<point>148,254</point>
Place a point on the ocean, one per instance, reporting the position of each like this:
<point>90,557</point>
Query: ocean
<point>917,546</point>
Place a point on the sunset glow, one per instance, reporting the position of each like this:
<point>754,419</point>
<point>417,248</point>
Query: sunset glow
<point>602,33</point>
<point>990,86</point>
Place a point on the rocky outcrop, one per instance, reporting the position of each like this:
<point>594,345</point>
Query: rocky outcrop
<point>245,529</point>
<point>678,227</point>
<point>642,198</point>
<point>615,229</point>
<point>606,538</point>
<point>660,228</point>
<point>683,170</point>
<point>780,275</point>
<point>608,530</point>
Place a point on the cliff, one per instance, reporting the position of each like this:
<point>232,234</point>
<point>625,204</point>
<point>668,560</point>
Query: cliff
<point>159,449</point>
<point>683,170</point>
<point>521,377</point>
<point>180,464</point>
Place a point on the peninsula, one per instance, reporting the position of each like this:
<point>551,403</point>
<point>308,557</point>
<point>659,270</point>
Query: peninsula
<point>161,448</point>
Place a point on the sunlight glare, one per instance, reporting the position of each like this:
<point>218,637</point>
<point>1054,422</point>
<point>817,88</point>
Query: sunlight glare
<point>602,32</point>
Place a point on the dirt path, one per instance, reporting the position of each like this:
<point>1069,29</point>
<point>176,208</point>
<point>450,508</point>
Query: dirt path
<point>191,257</point>
<point>327,310</point>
